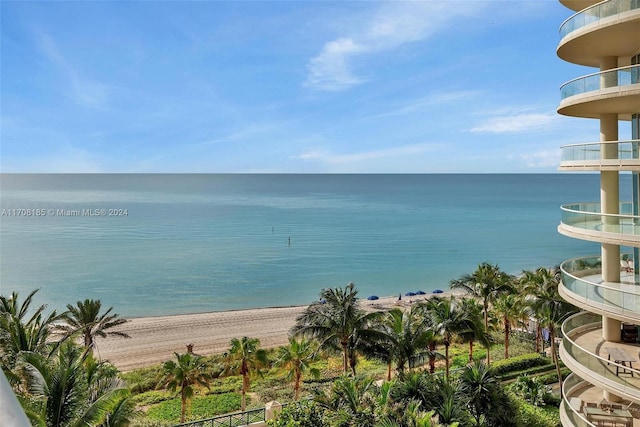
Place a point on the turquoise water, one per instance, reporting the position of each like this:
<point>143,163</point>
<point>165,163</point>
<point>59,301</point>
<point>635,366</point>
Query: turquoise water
<point>196,243</point>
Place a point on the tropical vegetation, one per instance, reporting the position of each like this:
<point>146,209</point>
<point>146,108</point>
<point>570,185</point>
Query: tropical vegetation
<point>345,364</point>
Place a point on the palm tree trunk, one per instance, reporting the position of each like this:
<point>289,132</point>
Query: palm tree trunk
<point>486,329</point>
<point>345,357</point>
<point>507,329</point>
<point>552,336</point>
<point>446,358</point>
<point>389,370</point>
<point>296,387</point>
<point>245,388</point>
<point>470,351</point>
<point>183,407</point>
<point>538,335</point>
<point>432,357</point>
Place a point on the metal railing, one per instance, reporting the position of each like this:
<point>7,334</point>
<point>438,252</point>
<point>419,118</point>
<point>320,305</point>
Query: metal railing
<point>617,77</point>
<point>235,419</point>
<point>595,13</point>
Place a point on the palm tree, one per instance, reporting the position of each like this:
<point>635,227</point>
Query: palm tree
<point>189,371</point>
<point>406,340</point>
<point>85,318</point>
<point>244,357</point>
<point>510,308</point>
<point>297,357</point>
<point>11,306</point>
<point>476,333</point>
<point>337,322</point>
<point>21,333</point>
<point>447,320</point>
<point>75,390</point>
<point>486,283</point>
<point>547,306</point>
<point>485,398</point>
<point>351,402</point>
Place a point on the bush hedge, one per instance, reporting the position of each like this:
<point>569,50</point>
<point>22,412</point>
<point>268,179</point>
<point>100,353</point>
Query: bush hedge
<point>519,363</point>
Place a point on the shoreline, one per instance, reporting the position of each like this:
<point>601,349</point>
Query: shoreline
<point>154,339</point>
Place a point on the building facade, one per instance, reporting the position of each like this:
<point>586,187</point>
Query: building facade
<point>600,344</point>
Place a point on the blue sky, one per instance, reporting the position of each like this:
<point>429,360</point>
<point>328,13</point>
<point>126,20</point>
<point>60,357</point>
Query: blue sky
<point>287,86</point>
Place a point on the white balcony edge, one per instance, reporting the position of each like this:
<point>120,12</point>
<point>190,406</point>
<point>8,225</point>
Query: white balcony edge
<point>598,308</point>
<point>598,236</point>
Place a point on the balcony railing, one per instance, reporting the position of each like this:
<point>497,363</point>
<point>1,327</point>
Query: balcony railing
<point>595,13</point>
<point>229,420</point>
<point>617,77</point>
<point>572,414</point>
<point>582,277</point>
<point>592,151</point>
<point>588,217</point>
<point>597,369</point>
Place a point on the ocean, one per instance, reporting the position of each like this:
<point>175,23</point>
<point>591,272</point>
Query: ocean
<point>159,244</point>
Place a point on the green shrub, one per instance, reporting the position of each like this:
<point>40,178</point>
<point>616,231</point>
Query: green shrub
<point>302,414</point>
<point>552,377</point>
<point>530,389</point>
<point>201,407</point>
<point>530,371</point>
<point>518,363</point>
<point>152,397</point>
<point>141,380</point>
<point>534,416</point>
<point>225,385</point>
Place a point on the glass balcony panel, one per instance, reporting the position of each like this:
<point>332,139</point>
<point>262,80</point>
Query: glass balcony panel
<point>600,367</point>
<point>624,76</point>
<point>587,216</point>
<point>597,12</point>
<point>583,278</point>
<point>592,151</point>
<point>574,417</point>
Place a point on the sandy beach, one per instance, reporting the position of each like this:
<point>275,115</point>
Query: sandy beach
<point>155,339</point>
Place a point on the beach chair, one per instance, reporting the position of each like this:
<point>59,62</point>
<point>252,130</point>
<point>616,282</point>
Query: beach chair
<point>624,266</point>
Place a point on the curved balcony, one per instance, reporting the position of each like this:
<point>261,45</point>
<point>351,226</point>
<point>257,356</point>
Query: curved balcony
<point>588,156</point>
<point>577,393</point>
<point>582,285</point>
<point>607,28</point>
<point>570,414</point>
<point>585,353</point>
<point>585,221</point>
<point>595,13</point>
<point>615,91</point>
<point>578,5</point>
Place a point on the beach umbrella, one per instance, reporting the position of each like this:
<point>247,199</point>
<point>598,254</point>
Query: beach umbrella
<point>410,294</point>
<point>373,297</point>
<point>438,291</point>
<point>420,293</point>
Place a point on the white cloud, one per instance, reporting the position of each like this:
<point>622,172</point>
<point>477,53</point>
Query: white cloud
<point>82,90</point>
<point>330,70</point>
<point>515,123</point>
<point>390,26</point>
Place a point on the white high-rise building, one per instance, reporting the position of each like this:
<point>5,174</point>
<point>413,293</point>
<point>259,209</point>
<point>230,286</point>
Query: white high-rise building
<point>600,344</point>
